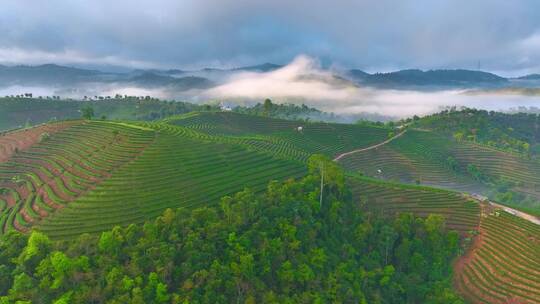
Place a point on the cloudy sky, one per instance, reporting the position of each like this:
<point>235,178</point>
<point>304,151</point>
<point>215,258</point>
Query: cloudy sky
<point>502,35</point>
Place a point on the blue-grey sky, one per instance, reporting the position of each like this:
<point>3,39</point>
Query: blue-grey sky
<point>502,35</point>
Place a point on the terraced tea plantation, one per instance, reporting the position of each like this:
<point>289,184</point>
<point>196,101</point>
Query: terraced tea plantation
<point>94,175</point>
<point>387,199</point>
<point>173,172</point>
<point>76,177</point>
<point>423,157</point>
<point>293,139</point>
<point>63,167</point>
<point>13,142</point>
<point>503,265</point>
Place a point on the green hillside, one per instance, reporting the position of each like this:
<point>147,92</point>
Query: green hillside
<point>502,265</point>
<point>388,199</point>
<point>519,132</point>
<point>54,172</point>
<point>96,175</point>
<point>434,159</point>
<point>172,172</point>
<point>68,178</point>
<point>292,137</point>
<point>18,112</point>
<point>279,246</point>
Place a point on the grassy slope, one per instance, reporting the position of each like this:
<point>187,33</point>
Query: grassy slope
<point>17,112</point>
<point>283,136</point>
<point>175,170</point>
<point>421,156</point>
<point>387,198</point>
<point>503,130</point>
<point>503,265</point>
<point>52,173</point>
<point>197,158</point>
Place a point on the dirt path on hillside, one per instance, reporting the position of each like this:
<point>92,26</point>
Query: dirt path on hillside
<point>528,217</point>
<point>370,147</point>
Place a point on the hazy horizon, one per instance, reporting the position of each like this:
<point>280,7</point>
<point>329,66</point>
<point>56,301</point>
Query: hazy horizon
<point>315,41</point>
<point>304,81</point>
<point>497,36</point>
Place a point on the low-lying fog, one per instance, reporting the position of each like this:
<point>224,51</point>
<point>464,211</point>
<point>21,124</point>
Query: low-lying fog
<point>304,81</point>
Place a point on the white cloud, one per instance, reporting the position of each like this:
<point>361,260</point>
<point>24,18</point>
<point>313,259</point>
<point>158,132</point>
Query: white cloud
<point>373,35</point>
<point>295,83</point>
<point>14,55</point>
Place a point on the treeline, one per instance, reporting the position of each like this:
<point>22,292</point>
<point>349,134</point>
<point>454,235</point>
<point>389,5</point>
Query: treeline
<point>286,245</point>
<point>518,132</point>
<point>305,113</point>
<point>286,111</point>
<point>19,112</point>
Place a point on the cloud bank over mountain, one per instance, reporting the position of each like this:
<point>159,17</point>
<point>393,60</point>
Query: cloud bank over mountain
<point>499,35</point>
<point>304,81</point>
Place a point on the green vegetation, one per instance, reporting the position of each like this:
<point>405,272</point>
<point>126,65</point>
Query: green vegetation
<point>276,247</point>
<point>297,139</point>
<point>98,174</point>
<point>511,132</point>
<point>58,170</point>
<point>388,199</point>
<point>436,160</point>
<point>284,111</point>
<point>173,171</point>
<point>503,265</point>
<point>124,211</point>
<point>16,112</point>
<point>87,112</point>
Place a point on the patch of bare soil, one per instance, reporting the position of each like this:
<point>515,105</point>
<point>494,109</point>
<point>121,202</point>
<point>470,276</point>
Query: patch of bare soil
<point>20,140</point>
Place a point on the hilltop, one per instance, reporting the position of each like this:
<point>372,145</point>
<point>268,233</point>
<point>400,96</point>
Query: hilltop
<point>68,78</point>
<point>181,180</point>
<point>518,132</point>
<point>415,77</point>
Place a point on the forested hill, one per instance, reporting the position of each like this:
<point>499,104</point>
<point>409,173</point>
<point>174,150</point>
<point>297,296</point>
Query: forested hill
<point>282,246</point>
<point>519,132</point>
<point>80,206</point>
<point>416,77</point>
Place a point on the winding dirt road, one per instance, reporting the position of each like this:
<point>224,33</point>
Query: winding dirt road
<point>528,217</point>
<point>370,147</point>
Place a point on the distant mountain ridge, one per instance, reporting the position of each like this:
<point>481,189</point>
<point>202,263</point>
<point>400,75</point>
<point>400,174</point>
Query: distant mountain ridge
<point>46,74</point>
<point>416,77</point>
<point>530,77</point>
<point>151,80</point>
<point>58,76</point>
<point>265,67</point>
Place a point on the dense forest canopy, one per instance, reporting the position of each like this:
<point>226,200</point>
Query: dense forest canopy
<point>289,244</point>
<point>285,111</point>
<point>518,132</point>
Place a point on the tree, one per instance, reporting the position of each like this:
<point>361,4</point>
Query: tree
<point>38,246</point>
<point>44,137</point>
<point>387,238</point>
<point>328,170</point>
<point>87,112</point>
<point>267,106</point>
<point>452,163</point>
<point>475,172</point>
<point>458,136</point>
